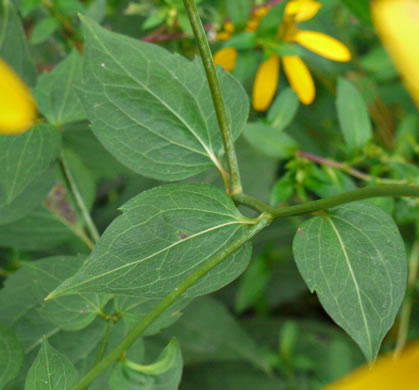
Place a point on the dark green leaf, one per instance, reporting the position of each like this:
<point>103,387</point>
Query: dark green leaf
<point>51,371</point>
<point>26,170</point>
<point>283,109</point>
<point>44,29</point>
<point>208,332</point>
<point>354,258</point>
<point>163,374</point>
<point>270,23</point>
<point>242,41</point>
<point>270,141</point>
<point>151,109</point>
<point>97,10</point>
<point>55,94</point>
<point>13,46</point>
<point>353,115</point>
<point>163,235</point>
<point>11,356</point>
<point>282,190</point>
<point>28,287</point>
<point>239,12</point>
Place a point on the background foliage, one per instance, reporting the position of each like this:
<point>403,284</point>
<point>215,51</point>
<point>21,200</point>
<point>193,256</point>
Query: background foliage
<point>124,108</point>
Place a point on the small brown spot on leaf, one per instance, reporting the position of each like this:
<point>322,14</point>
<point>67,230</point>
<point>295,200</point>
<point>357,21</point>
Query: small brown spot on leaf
<point>182,235</point>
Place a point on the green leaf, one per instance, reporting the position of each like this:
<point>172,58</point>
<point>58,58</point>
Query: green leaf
<point>13,46</point>
<point>354,258</point>
<point>27,288</point>
<point>11,355</point>
<point>163,235</point>
<point>134,310</point>
<point>67,7</point>
<point>242,41</point>
<point>252,284</point>
<point>207,332</point>
<point>353,115</point>
<point>44,29</point>
<point>283,109</point>
<point>51,371</point>
<point>97,10</point>
<point>272,142</point>
<point>361,9</point>
<point>27,6</point>
<point>153,110</point>
<point>231,376</point>
<point>271,21</point>
<point>55,94</point>
<point>52,222</point>
<point>154,19</point>
<point>282,189</point>
<point>26,170</point>
<point>164,374</point>
<point>239,12</point>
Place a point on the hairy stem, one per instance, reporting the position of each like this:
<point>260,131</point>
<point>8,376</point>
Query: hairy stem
<point>345,168</point>
<point>216,93</point>
<point>408,301</point>
<point>332,201</point>
<point>263,221</point>
<point>79,200</point>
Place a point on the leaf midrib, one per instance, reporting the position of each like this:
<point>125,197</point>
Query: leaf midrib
<point>357,289</point>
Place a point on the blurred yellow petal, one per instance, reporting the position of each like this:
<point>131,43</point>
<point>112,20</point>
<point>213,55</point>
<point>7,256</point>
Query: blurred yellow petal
<point>302,10</point>
<point>223,36</point>
<point>18,110</point>
<point>261,11</point>
<point>397,24</point>
<point>323,45</point>
<point>266,82</point>
<point>386,374</point>
<point>226,58</point>
<point>229,27</point>
<point>299,78</point>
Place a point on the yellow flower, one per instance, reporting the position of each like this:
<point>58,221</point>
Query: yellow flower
<point>18,110</point>
<point>386,374</point>
<point>298,75</point>
<point>397,24</point>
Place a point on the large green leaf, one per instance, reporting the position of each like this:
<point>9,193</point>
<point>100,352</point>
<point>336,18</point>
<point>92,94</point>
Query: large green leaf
<point>51,370</point>
<point>13,46</point>
<point>11,355</point>
<point>354,258</point>
<point>163,235</point>
<point>55,94</point>
<point>353,115</point>
<point>153,110</point>
<point>26,170</point>
<point>163,374</point>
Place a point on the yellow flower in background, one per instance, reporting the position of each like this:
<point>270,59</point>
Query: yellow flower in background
<point>386,374</point>
<point>397,24</point>
<point>297,73</point>
<point>18,111</point>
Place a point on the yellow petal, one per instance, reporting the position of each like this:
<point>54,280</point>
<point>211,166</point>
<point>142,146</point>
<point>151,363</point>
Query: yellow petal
<point>386,374</point>
<point>223,36</point>
<point>397,24</point>
<point>226,58</point>
<point>302,10</point>
<point>299,78</point>
<point>323,45</point>
<point>265,84</point>
<point>229,27</point>
<point>18,111</point>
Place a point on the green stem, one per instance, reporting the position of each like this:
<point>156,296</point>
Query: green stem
<point>79,200</point>
<point>216,93</point>
<point>408,301</point>
<point>105,341</point>
<point>262,222</point>
<point>333,201</point>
